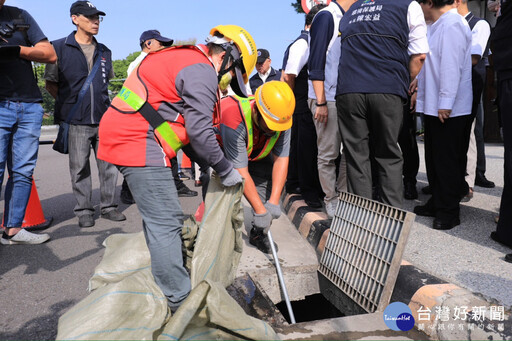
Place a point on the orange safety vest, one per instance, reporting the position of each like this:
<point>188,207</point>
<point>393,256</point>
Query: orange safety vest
<point>133,98</point>
<point>245,109</point>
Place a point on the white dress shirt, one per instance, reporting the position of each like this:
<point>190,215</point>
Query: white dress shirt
<point>418,42</point>
<point>480,35</point>
<point>297,57</point>
<point>265,75</point>
<point>445,80</point>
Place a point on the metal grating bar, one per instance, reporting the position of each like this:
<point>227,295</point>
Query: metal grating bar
<point>364,249</point>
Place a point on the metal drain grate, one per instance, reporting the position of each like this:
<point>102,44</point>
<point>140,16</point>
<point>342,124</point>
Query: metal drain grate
<point>362,254</point>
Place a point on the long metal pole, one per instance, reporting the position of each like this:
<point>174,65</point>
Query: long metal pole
<point>281,279</point>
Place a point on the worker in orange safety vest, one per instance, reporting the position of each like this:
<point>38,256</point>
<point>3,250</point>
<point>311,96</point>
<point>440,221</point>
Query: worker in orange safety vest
<point>167,103</point>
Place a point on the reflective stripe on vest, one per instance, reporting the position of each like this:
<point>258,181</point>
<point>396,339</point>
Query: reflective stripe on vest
<point>245,106</point>
<point>171,136</point>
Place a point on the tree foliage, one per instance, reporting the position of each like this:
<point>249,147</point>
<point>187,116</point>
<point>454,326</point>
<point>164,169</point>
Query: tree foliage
<point>120,68</point>
<point>48,101</point>
<point>297,6</point>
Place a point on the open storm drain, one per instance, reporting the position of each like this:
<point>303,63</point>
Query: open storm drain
<point>313,307</point>
<point>356,275</point>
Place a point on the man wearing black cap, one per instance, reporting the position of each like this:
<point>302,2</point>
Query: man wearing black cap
<point>150,40</point>
<point>265,73</point>
<point>82,60</point>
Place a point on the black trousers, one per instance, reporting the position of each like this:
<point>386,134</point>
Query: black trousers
<point>504,228</point>
<point>409,146</point>
<point>303,167</point>
<point>370,125</point>
<point>446,147</point>
<point>478,83</point>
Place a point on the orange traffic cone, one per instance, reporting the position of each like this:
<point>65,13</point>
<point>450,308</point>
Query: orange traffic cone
<point>185,162</point>
<point>34,218</point>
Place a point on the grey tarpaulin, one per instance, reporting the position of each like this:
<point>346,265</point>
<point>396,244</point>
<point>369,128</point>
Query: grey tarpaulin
<point>125,303</point>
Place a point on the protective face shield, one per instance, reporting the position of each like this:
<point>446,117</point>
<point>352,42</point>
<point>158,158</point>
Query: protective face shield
<point>232,62</point>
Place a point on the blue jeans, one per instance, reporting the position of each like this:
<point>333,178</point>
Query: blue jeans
<point>20,128</point>
<point>162,219</point>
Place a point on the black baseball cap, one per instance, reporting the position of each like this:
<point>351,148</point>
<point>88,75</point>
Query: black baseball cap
<point>262,56</point>
<point>85,8</point>
<point>154,34</point>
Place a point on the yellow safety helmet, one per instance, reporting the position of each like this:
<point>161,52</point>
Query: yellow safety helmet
<point>245,44</point>
<point>276,102</point>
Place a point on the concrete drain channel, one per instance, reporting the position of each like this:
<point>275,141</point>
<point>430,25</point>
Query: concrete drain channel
<point>344,296</point>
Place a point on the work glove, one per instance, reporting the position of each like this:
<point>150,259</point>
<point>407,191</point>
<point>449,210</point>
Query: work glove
<point>8,53</point>
<point>275,210</point>
<point>263,221</point>
<point>231,179</point>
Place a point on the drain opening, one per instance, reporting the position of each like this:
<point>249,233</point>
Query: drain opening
<point>312,308</point>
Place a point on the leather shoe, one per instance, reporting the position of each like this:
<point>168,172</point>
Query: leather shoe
<point>184,191</point>
<point>426,190</point>
<point>468,196</point>
<point>481,181</point>
<point>508,258</point>
<point>410,192</point>
<point>295,190</point>
<point>496,238</point>
<point>86,220</point>
<point>114,215</point>
<point>259,239</point>
<point>445,225</point>
<point>425,211</point>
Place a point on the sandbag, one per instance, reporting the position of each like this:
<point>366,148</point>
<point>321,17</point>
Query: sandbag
<point>133,308</point>
<point>128,253</point>
<point>209,313</point>
<point>219,243</point>
<point>125,302</point>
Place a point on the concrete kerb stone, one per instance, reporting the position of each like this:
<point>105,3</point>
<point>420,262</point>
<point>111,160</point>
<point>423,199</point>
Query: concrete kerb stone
<point>470,324</point>
<point>423,292</point>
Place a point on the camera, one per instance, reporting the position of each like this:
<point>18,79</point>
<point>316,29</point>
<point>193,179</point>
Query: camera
<point>8,29</point>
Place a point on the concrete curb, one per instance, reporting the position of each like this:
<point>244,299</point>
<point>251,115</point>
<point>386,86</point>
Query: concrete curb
<point>423,292</point>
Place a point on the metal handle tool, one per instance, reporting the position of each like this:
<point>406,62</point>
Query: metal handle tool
<point>281,279</point>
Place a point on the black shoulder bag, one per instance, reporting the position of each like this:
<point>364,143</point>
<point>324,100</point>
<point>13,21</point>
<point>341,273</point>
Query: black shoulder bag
<point>62,141</point>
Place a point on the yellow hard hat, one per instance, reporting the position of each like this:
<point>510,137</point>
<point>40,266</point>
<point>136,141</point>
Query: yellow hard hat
<point>276,102</point>
<point>245,44</point>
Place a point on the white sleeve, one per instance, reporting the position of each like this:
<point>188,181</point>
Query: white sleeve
<point>418,42</point>
<point>454,46</point>
<point>479,37</point>
<point>297,57</point>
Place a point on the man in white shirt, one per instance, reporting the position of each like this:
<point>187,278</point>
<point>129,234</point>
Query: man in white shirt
<point>480,32</point>
<point>445,98</point>
<point>264,71</point>
<point>149,41</point>
<point>302,167</point>
<point>324,55</point>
